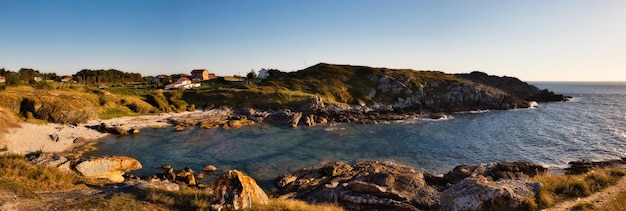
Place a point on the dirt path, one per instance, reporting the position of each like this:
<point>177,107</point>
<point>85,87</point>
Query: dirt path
<point>598,199</point>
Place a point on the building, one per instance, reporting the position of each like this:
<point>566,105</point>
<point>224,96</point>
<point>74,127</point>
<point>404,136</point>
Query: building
<point>202,75</point>
<point>182,83</point>
<point>68,79</point>
<point>158,78</point>
<point>38,78</point>
<point>263,73</point>
<point>3,79</point>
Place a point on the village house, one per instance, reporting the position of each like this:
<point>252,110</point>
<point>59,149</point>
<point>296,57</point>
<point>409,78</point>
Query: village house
<point>158,78</point>
<point>263,73</point>
<point>68,79</point>
<point>202,75</point>
<point>3,79</point>
<point>38,78</point>
<point>182,83</point>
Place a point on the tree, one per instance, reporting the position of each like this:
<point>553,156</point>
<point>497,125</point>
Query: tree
<point>251,75</point>
<point>12,79</point>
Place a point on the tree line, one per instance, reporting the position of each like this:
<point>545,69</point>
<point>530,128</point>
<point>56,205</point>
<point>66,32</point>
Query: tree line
<point>28,76</point>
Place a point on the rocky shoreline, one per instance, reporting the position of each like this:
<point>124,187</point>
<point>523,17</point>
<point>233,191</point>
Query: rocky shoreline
<point>361,185</point>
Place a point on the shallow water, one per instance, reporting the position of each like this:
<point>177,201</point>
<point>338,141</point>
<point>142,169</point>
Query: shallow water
<point>592,126</point>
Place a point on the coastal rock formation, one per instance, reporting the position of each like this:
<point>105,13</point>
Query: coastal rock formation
<point>514,87</point>
<point>111,168</point>
<point>234,190</point>
<point>375,185</point>
<point>493,171</point>
<point>59,109</point>
<point>480,193</point>
<point>366,185</point>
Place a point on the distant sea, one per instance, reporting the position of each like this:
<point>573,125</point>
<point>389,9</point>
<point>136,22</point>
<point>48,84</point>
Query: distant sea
<point>592,126</point>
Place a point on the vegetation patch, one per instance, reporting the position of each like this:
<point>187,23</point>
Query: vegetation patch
<point>558,188</point>
<point>23,178</point>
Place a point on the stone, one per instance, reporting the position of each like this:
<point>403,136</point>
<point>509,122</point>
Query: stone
<point>365,185</point>
<point>111,168</point>
<point>186,175</point>
<point>154,185</point>
<point>335,168</point>
<point>479,193</point>
<point>234,190</point>
<point>460,172</point>
<point>285,180</point>
<point>209,168</point>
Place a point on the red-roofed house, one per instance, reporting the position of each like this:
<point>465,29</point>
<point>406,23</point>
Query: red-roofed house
<point>182,83</point>
<point>3,79</point>
<point>68,79</point>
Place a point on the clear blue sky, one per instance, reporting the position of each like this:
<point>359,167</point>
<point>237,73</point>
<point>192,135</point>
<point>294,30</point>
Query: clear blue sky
<point>542,40</point>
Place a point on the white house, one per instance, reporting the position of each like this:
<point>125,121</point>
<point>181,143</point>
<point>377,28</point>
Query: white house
<point>263,73</point>
<point>182,83</point>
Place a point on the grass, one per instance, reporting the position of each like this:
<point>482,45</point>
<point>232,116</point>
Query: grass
<point>23,178</point>
<point>557,188</point>
<point>295,205</point>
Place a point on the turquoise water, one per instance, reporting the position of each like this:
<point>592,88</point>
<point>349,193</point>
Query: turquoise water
<point>592,126</point>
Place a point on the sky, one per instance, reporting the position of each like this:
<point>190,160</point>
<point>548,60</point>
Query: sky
<point>534,40</point>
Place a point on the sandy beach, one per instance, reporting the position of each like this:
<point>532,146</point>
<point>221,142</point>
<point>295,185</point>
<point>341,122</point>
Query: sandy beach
<point>57,137</point>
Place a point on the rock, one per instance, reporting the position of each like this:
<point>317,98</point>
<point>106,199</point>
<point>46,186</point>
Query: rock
<point>335,168</point>
<point>134,131</point>
<point>460,172</point>
<point>583,166</point>
<point>365,185</point>
<point>285,180</point>
<point>209,168</point>
<point>479,193</point>
<point>234,190</point>
<point>383,179</point>
<point>111,168</point>
<point>50,159</point>
<point>154,185</point>
<point>186,175</point>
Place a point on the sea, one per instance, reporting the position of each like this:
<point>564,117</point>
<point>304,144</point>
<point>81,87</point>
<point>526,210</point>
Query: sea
<point>591,126</point>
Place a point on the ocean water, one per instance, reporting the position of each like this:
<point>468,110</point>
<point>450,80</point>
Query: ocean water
<point>592,126</point>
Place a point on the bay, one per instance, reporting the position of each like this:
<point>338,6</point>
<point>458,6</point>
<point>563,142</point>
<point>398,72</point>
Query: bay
<point>592,126</point>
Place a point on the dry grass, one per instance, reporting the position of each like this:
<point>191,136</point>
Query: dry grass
<point>557,188</point>
<point>276,204</point>
<point>8,120</point>
<point>23,178</point>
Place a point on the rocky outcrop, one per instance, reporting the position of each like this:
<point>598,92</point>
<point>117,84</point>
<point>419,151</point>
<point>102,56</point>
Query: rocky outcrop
<point>480,193</point>
<point>59,109</point>
<point>493,171</point>
<point>234,190</point>
<point>584,166</point>
<point>111,168</point>
<point>365,185</point>
<point>374,185</point>
<point>514,87</point>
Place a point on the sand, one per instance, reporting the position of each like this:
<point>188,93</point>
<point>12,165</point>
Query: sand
<point>58,138</point>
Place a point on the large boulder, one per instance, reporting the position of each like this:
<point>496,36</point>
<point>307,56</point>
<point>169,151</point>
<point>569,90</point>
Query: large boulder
<point>480,193</point>
<point>111,168</point>
<point>234,190</point>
